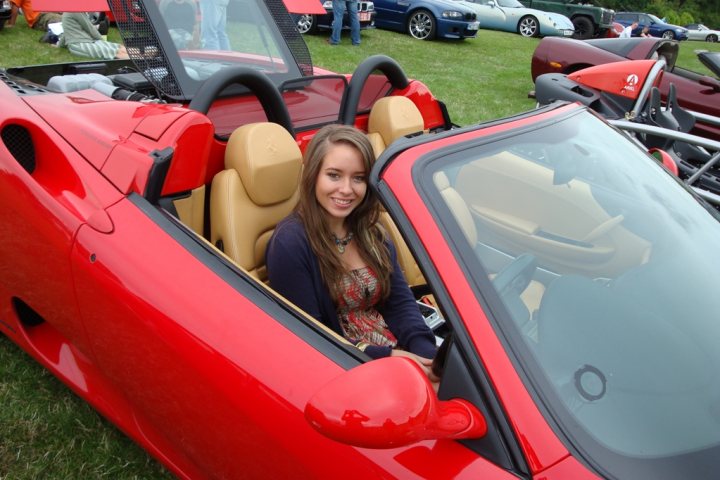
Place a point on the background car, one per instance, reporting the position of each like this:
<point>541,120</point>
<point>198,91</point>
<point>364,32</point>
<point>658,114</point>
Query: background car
<point>311,23</point>
<point>657,27</point>
<point>427,19</point>
<point>513,16</point>
<point>695,91</point>
<point>698,31</point>
<point>5,11</point>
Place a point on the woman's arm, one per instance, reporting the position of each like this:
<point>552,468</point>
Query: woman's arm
<point>402,314</point>
<point>288,258</point>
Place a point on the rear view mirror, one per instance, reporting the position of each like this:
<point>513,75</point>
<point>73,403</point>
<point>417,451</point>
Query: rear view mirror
<point>389,403</point>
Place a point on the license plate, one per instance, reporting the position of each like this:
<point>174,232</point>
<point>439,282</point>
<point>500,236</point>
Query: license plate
<point>473,26</point>
<point>364,16</point>
<point>568,33</point>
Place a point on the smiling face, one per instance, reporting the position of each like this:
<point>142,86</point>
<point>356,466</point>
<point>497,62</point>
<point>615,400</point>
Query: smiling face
<point>341,183</point>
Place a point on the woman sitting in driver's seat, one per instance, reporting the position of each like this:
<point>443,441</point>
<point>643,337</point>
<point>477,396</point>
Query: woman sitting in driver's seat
<point>332,259</point>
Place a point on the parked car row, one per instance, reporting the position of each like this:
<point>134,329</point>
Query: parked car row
<point>454,19</point>
<point>656,26</point>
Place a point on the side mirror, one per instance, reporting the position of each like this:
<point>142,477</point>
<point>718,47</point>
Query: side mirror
<point>492,4</point>
<point>663,157</point>
<point>389,403</point>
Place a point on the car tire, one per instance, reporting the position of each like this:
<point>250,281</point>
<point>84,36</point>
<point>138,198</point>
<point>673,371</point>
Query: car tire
<point>584,28</point>
<point>528,27</point>
<point>711,38</point>
<point>422,25</point>
<point>307,24</point>
<point>2,24</point>
<point>668,35</point>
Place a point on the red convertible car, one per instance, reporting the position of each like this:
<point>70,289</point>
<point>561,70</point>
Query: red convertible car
<point>696,92</point>
<point>575,277</point>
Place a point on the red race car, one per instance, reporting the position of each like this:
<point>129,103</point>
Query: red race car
<point>572,277</point>
<point>696,92</point>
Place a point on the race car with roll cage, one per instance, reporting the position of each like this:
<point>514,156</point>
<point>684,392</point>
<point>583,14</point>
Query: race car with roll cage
<point>571,275</point>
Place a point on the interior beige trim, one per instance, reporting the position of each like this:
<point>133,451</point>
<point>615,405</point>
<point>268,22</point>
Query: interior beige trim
<point>191,210</point>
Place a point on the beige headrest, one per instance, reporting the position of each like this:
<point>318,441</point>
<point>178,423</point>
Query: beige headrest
<point>395,117</point>
<point>457,206</point>
<point>268,160</point>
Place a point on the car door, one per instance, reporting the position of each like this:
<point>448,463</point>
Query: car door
<point>209,370</point>
<point>391,14</point>
<point>491,15</point>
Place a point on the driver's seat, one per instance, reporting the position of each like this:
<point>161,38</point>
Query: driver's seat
<point>257,189</point>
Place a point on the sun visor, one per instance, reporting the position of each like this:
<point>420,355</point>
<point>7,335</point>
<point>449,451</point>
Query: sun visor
<point>304,6</point>
<point>70,6</point>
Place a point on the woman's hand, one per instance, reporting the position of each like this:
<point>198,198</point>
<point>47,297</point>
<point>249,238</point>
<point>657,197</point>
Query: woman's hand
<point>425,364</point>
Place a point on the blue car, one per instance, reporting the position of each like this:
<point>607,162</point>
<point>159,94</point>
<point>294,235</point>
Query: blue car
<point>427,19</point>
<point>657,27</point>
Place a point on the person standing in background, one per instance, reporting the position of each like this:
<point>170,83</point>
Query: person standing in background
<point>213,24</point>
<point>338,14</point>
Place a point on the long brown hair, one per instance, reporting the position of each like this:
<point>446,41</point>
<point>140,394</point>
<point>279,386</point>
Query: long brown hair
<point>362,221</point>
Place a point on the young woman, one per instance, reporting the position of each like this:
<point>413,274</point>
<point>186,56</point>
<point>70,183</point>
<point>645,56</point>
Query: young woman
<point>332,259</point>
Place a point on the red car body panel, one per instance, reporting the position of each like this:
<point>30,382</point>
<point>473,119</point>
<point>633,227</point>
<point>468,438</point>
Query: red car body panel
<point>555,55</point>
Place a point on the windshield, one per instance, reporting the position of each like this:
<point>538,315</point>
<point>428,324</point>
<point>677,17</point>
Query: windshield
<point>654,18</point>
<point>605,273</point>
<point>197,38</point>
<point>510,4</point>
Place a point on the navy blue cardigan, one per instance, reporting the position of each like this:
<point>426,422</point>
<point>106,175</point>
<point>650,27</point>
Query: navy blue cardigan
<point>294,272</point>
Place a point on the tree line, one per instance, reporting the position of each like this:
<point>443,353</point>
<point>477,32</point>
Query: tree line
<point>677,12</point>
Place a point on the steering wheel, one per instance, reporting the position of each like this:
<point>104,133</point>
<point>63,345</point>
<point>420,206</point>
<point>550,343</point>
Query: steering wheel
<point>257,82</point>
<point>351,99</point>
<point>514,278</point>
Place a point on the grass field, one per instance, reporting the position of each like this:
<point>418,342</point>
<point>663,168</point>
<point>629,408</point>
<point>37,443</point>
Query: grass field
<point>48,432</point>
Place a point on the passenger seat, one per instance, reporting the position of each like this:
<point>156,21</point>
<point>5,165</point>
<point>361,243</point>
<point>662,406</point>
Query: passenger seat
<point>257,189</point>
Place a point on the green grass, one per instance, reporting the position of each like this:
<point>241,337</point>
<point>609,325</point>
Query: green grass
<point>48,432</point>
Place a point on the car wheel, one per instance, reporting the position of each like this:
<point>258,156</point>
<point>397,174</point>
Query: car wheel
<point>711,38</point>
<point>668,34</point>
<point>307,24</point>
<point>528,27</point>
<point>422,25</point>
<point>584,28</point>
<point>2,24</point>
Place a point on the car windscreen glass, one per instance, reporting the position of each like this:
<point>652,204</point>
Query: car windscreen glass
<point>510,4</point>
<point>170,44</point>
<point>605,270</point>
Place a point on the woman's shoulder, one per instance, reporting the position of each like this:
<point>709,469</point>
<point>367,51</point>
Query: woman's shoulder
<point>290,230</point>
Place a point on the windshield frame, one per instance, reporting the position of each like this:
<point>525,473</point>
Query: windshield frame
<point>574,437</point>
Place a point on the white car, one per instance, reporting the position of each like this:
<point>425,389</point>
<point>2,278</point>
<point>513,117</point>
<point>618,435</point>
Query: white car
<point>512,16</point>
<point>698,31</point>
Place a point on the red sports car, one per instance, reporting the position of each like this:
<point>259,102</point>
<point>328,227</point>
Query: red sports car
<point>696,92</point>
<point>574,277</point>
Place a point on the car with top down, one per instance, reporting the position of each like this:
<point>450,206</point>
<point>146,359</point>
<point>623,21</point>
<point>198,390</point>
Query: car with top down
<point>427,19</point>
<point>513,16</point>
<point>696,91</point>
<point>571,275</point>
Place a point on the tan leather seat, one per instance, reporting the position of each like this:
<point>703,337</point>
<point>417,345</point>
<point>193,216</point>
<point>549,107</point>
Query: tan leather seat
<point>533,293</point>
<point>392,118</point>
<point>257,189</point>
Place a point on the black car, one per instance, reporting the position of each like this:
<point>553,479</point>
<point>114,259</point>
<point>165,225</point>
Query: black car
<point>309,23</point>
<point>4,12</point>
